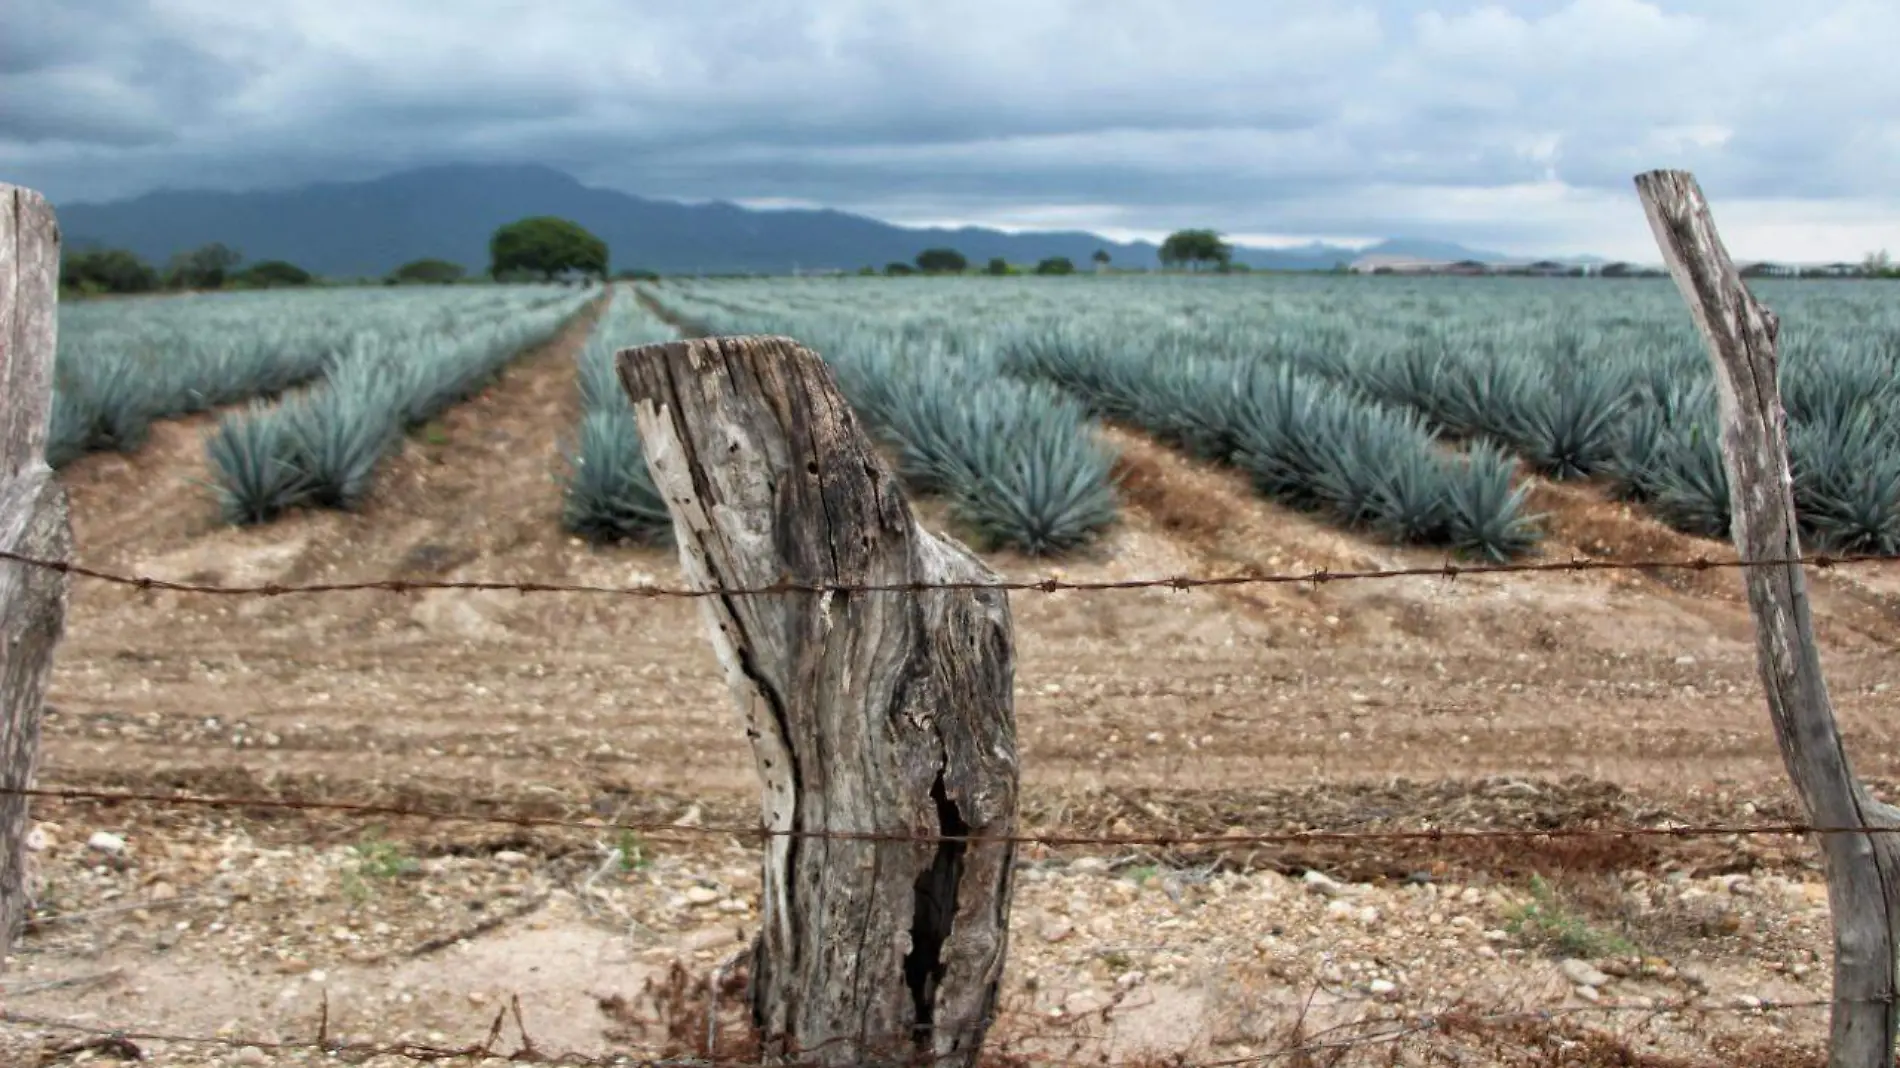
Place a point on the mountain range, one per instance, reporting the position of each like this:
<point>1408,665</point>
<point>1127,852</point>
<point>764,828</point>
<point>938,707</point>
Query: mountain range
<point>366,228</point>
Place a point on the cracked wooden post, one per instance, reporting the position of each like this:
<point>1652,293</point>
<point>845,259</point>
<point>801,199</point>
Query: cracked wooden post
<point>1863,870</point>
<point>33,521</point>
<point>880,713</point>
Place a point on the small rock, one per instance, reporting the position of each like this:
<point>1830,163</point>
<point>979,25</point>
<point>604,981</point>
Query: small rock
<point>1587,993</point>
<point>1747,1001</point>
<point>162,892</point>
<point>1685,661</point>
<point>702,895</point>
<point>1083,1002</point>
<point>1089,864</point>
<point>1130,980</point>
<point>510,858</point>
<point>1057,930</point>
<point>1321,884</point>
<point>251,1055</point>
<point>1582,973</point>
<point>1382,987</point>
<point>711,938</point>
<point>106,842</point>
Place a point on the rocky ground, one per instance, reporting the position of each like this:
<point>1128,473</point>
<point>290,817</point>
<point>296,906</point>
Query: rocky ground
<point>211,928</point>
<point>1515,702</point>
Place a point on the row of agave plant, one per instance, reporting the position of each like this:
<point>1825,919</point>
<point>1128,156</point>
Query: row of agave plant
<point>1020,463</point>
<point>125,365</point>
<point>1404,405</point>
<point>1303,441</point>
<point>609,496</point>
<point>1637,412</point>
<point>320,447</point>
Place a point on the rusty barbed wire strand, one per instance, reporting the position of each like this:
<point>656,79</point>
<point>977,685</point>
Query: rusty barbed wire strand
<point>1044,585</point>
<point>660,830</point>
<point>1377,1032</point>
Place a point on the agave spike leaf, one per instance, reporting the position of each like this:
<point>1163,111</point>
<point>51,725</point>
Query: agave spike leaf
<point>1690,482</point>
<point>1636,450</point>
<point>254,455</point>
<point>1568,431</point>
<point>1488,516</point>
<point>610,494</point>
<point>1048,494</point>
<point>1847,482</point>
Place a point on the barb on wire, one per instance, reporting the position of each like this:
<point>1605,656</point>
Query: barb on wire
<point>659,829</point>
<point>1447,570</point>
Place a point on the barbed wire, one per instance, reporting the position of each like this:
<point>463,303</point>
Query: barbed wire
<point>659,829</point>
<point>1376,1031</point>
<point>1449,570</point>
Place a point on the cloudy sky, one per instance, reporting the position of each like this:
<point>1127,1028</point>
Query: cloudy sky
<point>1514,126</point>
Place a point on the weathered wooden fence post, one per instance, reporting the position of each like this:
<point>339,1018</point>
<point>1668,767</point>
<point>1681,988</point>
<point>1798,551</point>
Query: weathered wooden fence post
<point>1863,870</point>
<point>870,713</point>
<point>33,519</point>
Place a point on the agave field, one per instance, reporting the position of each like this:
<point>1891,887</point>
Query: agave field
<point>1414,410</point>
<point>320,447</point>
<point>1018,459</point>
<point>123,365</point>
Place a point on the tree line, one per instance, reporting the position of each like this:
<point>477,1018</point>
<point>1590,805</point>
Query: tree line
<point>534,249</point>
<point>539,248</point>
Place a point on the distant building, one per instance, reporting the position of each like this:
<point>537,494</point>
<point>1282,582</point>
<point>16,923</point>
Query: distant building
<point>1386,264</point>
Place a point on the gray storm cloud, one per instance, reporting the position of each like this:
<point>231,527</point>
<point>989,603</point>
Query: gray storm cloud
<point>1290,117</point>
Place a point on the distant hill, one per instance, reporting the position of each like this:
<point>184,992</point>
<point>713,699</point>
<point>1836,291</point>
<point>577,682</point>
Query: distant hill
<point>354,229</point>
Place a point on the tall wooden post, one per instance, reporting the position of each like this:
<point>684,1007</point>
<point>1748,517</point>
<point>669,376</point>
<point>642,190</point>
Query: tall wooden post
<point>1863,870</point>
<point>33,520</point>
<point>870,713</point>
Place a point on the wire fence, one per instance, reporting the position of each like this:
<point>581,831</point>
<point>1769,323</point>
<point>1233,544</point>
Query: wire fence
<point>1375,1033</point>
<point>1381,1032</point>
<point>1449,570</point>
<point>659,830</point>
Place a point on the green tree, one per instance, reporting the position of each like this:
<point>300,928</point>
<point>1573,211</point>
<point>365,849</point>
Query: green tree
<point>204,267</point>
<point>430,272</point>
<point>997,266</point>
<point>1879,265</point>
<point>271,274</point>
<point>1196,248</point>
<point>942,261</point>
<point>1056,265</point>
<point>543,246</point>
<point>1101,259</point>
<point>106,270</point>
<point>899,268</point>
